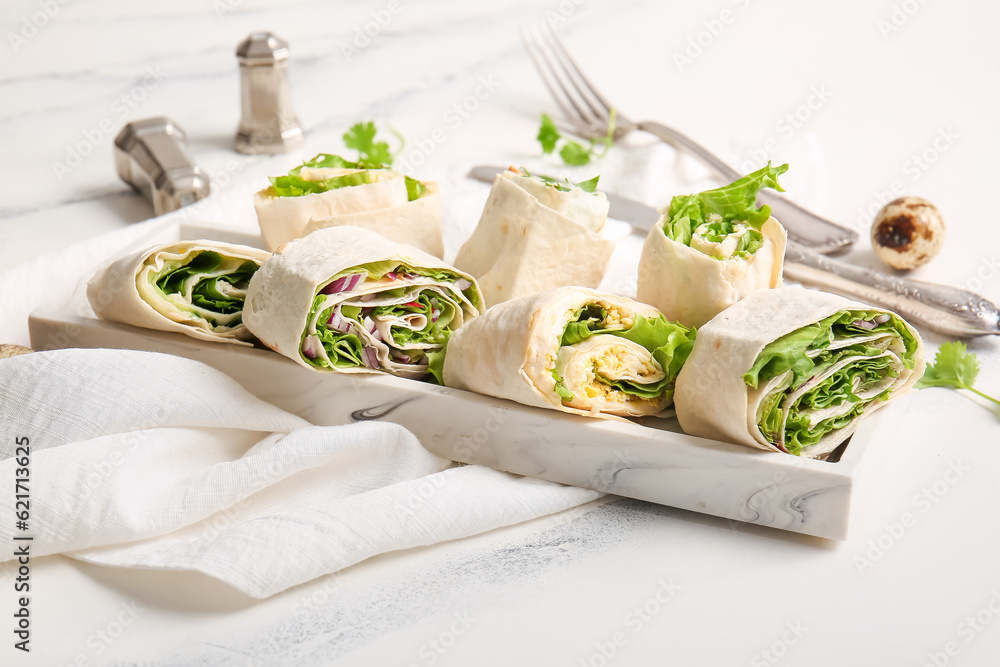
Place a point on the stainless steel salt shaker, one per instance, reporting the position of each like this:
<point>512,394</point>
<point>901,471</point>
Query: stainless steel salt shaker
<point>268,124</point>
<point>151,155</point>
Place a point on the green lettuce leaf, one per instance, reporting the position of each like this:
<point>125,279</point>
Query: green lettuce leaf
<point>669,343</point>
<point>735,203</point>
<point>206,293</point>
<point>805,354</point>
<point>293,185</point>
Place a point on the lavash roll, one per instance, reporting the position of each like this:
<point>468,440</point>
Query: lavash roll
<point>126,291</point>
<point>512,350</point>
<point>382,206</point>
<point>691,287</point>
<point>294,297</point>
<point>533,237</point>
<point>713,400</point>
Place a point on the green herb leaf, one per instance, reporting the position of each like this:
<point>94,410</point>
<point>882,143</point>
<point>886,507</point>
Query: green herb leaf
<point>574,153</point>
<point>361,137</point>
<point>954,366</point>
<point>548,134</point>
<point>589,186</point>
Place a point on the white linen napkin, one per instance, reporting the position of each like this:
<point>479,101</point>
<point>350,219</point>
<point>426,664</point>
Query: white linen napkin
<point>139,459</point>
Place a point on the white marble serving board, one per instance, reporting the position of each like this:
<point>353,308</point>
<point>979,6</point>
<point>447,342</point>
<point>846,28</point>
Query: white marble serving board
<point>651,460</point>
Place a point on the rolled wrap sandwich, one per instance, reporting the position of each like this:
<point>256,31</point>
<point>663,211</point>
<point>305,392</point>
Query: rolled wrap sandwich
<point>536,234</point>
<point>347,300</point>
<point>329,191</point>
<point>571,349</point>
<point>191,287</point>
<point>709,250</point>
<point>795,370</point>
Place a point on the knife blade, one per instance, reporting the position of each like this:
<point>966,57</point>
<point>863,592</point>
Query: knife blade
<point>942,308</point>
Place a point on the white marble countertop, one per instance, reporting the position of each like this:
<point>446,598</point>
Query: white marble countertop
<point>894,97</point>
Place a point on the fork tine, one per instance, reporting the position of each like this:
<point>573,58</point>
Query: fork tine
<point>533,52</point>
<point>554,76</point>
<point>584,88</point>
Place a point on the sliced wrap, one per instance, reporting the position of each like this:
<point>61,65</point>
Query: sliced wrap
<point>536,234</point>
<point>191,287</point>
<point>795,370</point>
<point>329,191</point>
<point>345,299</point>
<point>711,249</point>
<point>572,349</point>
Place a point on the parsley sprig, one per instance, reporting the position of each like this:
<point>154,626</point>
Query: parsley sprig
<point>372,153</point>
<point>953,367</point>
<point>573,152</point>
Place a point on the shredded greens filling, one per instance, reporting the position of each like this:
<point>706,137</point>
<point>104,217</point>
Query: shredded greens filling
<point>207,285</point>
<point>390,316</point>
<point>669,344</point>
<point>821,377</point>
<point>293,185</point>
<point>724,223</point>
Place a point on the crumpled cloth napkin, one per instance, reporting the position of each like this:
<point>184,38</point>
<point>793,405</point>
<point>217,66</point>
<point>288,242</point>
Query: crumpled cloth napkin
<point>140,459</point>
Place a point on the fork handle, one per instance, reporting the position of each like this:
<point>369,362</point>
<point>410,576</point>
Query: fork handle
<point>804,226</point>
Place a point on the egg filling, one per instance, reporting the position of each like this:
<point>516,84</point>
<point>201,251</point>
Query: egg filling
<point>619,362</point>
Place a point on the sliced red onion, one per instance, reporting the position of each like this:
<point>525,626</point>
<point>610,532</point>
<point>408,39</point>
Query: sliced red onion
<point>864,324</point>
<point>343,284</point>
<point>369,324</point>
<point>370,356</point>
<point>882,319</point>
<point>392,275</point>
<point>339,323</point>
<point>308,347</point>
<point>368,297</point>
<point>435,314</point>
<point>462,284</point>
<point>404,358</point>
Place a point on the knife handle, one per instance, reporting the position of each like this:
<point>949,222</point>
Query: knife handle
<point>948,310</point>
<point>802,225</point>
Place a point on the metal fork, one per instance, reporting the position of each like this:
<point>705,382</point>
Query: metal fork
<point>588,112</point>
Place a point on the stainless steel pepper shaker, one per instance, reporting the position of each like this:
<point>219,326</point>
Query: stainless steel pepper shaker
<point>151,156</point>
<point>268,124</point>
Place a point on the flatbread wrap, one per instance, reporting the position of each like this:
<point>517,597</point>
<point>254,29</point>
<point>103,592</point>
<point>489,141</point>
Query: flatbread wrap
<point>329,191</point>
<point>347,300</point>
<point>711,249</point>
<point>196,288</point>
<point>536,234</point>
<point>571,349</point>
<point>795,370</point>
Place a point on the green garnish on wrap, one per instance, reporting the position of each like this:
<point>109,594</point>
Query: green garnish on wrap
<point>725,222</point>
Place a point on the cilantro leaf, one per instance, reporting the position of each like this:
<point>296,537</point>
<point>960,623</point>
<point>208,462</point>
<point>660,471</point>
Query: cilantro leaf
<point>953,367</point>
<point>589,186</point>
<point>361,137</point>
<point>574,153</point>
<point>548,134</point>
